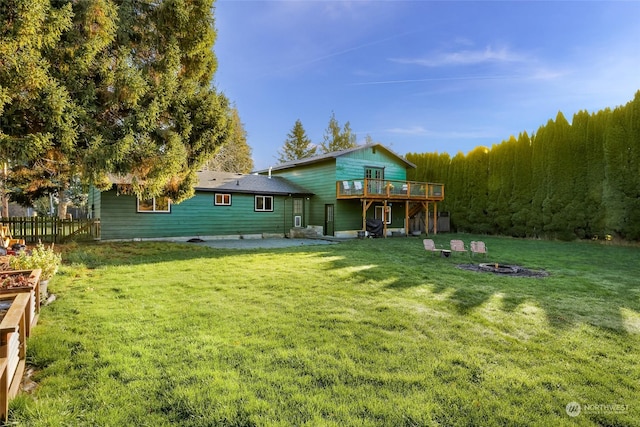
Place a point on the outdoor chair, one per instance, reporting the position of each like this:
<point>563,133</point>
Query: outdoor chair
<point>430,246</point>
<point>457,246</point>
<point>346,187</point>
<point>478,248</point>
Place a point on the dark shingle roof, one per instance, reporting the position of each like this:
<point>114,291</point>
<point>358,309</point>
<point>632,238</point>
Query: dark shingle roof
<point>241,183</point>
<point>235,183</point>
<point>333,155</point>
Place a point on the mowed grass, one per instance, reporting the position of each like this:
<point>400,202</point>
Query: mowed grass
<point>363,333</point>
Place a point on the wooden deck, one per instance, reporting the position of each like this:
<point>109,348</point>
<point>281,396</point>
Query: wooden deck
<point>383,189</point>
<point>416,196</point>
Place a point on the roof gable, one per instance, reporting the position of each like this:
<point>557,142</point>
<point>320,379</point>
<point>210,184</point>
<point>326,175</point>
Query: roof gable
<point>334,155</point>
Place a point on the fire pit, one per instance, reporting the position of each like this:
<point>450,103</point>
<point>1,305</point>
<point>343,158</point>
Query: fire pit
<point>503,269</point>
<point>500,268</point>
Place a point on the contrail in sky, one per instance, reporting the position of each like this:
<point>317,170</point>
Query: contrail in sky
<point>433,79</point>
<point>345,51</point>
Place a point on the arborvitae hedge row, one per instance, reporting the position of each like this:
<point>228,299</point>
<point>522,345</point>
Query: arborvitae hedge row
<point>566,181</point>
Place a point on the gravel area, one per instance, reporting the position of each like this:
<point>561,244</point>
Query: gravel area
<point>262,243</point>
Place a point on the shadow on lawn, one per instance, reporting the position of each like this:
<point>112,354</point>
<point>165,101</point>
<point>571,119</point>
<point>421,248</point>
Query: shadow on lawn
<point>588,283</point>
<point>98,255</point>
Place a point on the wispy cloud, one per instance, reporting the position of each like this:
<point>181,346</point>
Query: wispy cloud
<point>464,57</point>
<point>413,130</point>
<point>421,131</point>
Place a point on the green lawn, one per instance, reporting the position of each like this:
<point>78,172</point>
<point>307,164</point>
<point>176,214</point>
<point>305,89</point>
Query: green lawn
<point>366,333</point>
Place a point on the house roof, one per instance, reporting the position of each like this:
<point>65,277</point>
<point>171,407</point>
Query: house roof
<point>241,183</point>
<point>334,155</point>
<point>230,182</point>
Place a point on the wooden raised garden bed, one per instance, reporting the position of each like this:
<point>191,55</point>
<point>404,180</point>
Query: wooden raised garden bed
<point>14,309</point>
<point>27,281</point>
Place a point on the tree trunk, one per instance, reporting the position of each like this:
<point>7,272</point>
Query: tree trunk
<point>4,195</point>
<point>5,203</point>
<point>63,203</point>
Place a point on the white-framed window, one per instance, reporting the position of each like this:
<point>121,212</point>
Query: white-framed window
<point>154,205</point>
<point>381,214</point>
<point>298,210</point>
<point>222,199</point>
<point>264,204</point>
<point>375,179</point>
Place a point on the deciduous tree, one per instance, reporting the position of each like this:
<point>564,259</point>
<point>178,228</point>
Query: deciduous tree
<point>234,155</point>
<point>336,139</point>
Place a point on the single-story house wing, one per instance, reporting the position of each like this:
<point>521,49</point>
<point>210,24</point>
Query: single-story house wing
<point>224,205</point>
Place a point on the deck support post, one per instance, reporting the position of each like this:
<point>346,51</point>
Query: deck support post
<point>365,207</point>
<point>426,217</point>
<point>384,218</point>
<point>406,218</point>
<point>435,217</point>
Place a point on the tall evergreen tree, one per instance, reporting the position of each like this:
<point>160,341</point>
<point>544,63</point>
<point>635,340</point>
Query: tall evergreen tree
<point>539,180</point>
<point>336,139</point>
<point>556,208</point>
<point>500,186</point>
<point>37,113</point>
<point>520,202</point>
<point>456,199</point>
<point>477,190</point>
<point>579,197</point>
<point>297,145</point>
<point>162,120</point>
<point>622,168</point>
<point>595,208</point>
<point>138,79</point>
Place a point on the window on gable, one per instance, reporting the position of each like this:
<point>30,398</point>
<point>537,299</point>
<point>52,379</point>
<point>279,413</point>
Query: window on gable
<point>264,204</point>
<point>222,199</point>
<point>155,204</point>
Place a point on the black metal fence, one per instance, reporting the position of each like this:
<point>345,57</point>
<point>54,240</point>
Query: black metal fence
<point>51,229</point>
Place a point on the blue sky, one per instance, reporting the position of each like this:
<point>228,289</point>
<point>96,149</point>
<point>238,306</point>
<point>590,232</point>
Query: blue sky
<point>422,76</point>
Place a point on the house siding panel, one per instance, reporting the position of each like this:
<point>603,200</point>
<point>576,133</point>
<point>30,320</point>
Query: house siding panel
<point>194,217</point>
<point>320,179</point>
<point>94,201</point>
<point>352,165</point>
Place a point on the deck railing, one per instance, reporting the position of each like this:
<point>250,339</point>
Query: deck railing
<point>389,189</point>
<point>51,229</point>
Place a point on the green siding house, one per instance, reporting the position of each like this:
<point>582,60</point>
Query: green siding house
<point>333,194</point>
<point>353,185</point>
